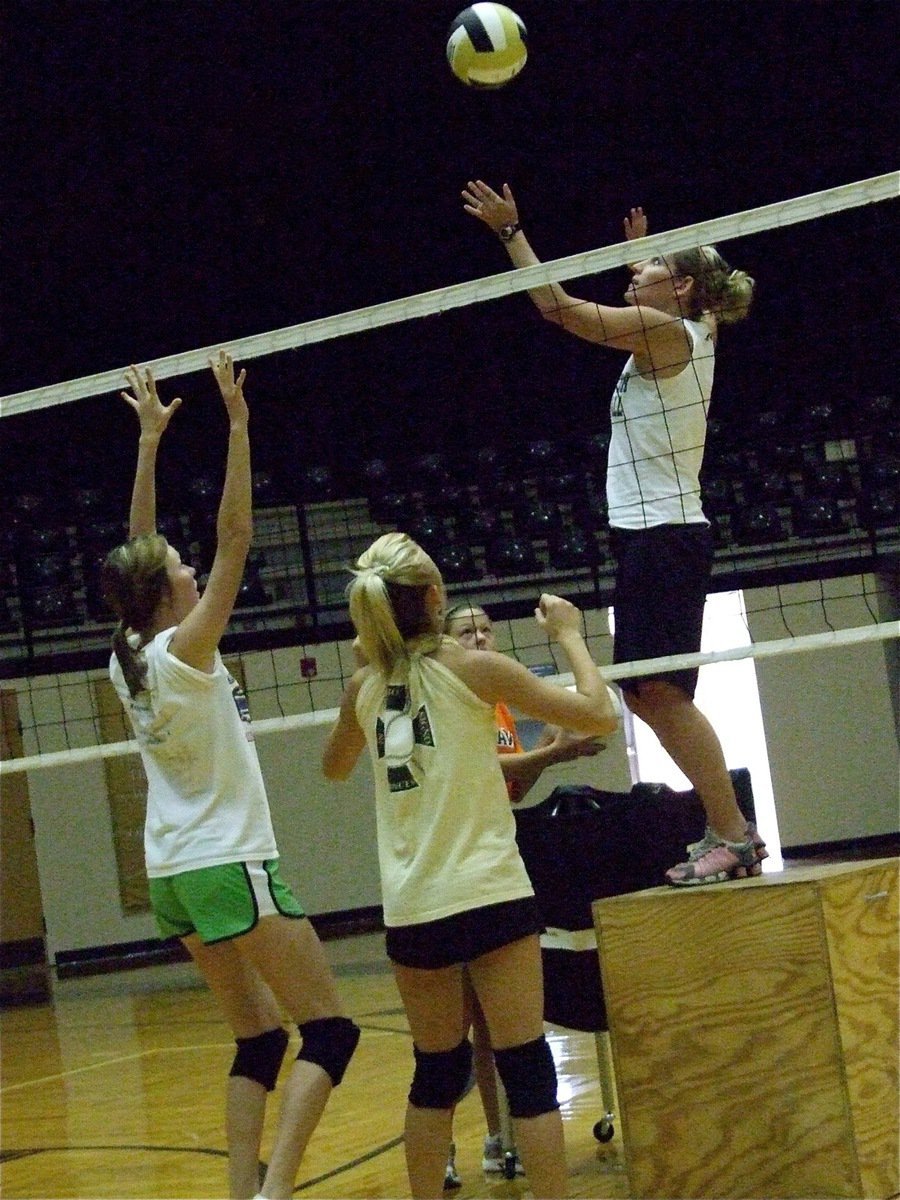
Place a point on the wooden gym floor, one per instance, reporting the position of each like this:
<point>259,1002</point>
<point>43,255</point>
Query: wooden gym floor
<point>116,1089</point>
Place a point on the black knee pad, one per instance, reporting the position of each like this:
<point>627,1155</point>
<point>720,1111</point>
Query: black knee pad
<point>529,1077</point>
<point>440,1078</point>
<point>329,1043</point>
<point>259,1058</point>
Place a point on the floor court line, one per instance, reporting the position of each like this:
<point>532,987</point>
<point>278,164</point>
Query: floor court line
<point>157,1050</point>
<point>111,1062</point>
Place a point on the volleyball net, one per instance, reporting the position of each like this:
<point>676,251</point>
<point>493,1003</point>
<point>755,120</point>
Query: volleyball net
<point>765,219</point>
<point>801,479</point>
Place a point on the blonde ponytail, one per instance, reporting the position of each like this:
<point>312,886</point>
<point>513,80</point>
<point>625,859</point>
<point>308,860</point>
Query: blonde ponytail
<point>737,296</point>
<point>373,618</point>
<point>387,599</point>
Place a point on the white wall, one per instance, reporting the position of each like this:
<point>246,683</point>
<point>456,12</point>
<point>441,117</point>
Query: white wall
<point>325,831</point>
<point>77,861</point>
<point>829,715</point>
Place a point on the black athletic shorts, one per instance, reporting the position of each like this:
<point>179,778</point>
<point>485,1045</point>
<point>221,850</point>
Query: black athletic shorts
<point>464,936</point>
<point>662,577</point>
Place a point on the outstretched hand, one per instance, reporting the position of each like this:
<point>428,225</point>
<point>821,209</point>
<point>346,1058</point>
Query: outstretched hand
<point>231,388</point>
<point>635,227</point>
<point>152,414</point>
<point>484,203</point>
<point>635,224</point>
<point>568,746</point>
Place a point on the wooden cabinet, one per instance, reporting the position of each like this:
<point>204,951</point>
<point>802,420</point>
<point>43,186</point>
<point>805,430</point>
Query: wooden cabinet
<point>754,1031</point>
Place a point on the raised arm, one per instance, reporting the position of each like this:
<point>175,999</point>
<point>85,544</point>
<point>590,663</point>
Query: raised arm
<point>493,677</point>
<point>636,329</point>
<point>199,633</point>
<point>153,417</point>
<point>635,225</point>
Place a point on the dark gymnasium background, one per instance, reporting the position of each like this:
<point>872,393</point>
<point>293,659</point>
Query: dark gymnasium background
<point>185,172</point>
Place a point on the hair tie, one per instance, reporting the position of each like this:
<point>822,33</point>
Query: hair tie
<point>366,570</point>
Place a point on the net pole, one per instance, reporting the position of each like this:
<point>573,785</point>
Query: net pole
<point>677,662</point>
<point>719,229</point>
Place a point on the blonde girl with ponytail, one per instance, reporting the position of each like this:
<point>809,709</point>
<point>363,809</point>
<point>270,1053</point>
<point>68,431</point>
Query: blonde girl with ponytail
<point>457,899</point>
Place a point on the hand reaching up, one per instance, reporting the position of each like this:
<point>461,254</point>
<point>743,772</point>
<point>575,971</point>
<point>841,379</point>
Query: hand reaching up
<point>635,224</point>
<point>484,203</point>
<point>152,414</point>
<point>231,388</point>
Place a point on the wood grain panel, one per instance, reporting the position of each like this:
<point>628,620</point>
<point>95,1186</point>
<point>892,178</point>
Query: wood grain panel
<point>733,1069</point>
<point>21,915</point>
<point>860,913</point>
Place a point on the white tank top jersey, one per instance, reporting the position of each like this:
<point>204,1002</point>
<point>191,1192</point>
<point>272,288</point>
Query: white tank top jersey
<point>206,800</point>
<point>446,832</point>
<point>657,441</point>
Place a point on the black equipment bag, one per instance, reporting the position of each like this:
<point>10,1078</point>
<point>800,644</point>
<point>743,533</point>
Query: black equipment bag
<point>581,844</point>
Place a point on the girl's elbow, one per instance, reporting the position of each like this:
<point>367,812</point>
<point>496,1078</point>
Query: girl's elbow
<point>337,767</point>
<point>606,720</point>
<point>331,769</point>
<point>612,711</point>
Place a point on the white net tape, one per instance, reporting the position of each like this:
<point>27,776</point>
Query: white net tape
<point>882,631</point>
<point>69,720</point>
<point>720,229</point>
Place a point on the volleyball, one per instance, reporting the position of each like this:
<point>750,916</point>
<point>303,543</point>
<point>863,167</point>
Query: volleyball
<point>486,45</point>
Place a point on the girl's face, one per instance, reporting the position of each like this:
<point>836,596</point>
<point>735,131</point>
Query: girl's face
<point>654,284</point>
<point>473,629</point>
<point>182,584</point>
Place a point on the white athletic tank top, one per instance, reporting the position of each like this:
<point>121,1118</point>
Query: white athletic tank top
<point>657,441</point>
<point>206,800</point>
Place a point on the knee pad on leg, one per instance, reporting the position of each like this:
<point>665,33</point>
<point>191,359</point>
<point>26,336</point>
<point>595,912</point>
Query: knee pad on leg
<point>259,1058</point>
<point>329,1043</point>
<point>440,1078</point>
<point>529,1077</point>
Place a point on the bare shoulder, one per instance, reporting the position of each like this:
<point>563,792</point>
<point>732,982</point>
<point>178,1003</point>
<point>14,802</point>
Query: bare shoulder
<point>486,672</point>
<point>354,683</point>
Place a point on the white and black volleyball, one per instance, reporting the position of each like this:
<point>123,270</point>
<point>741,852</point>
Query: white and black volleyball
<point>486,45</point>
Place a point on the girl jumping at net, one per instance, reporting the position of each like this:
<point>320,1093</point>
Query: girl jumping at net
<point>659,536</point>
<point>210,850</point>
<point>454,888</point>
<point>472,627</point>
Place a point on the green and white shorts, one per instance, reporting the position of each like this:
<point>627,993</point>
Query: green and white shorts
<point>219,903</point>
